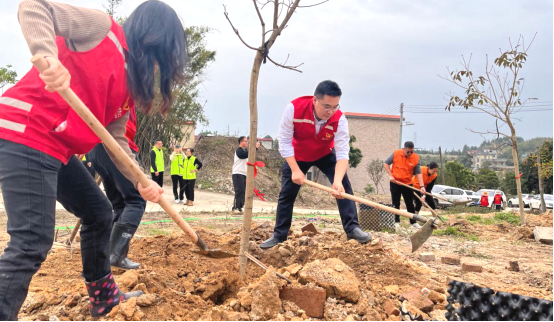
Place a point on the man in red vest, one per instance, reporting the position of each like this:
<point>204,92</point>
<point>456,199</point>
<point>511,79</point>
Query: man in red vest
<point>401,166</point>
<point>314,132</point>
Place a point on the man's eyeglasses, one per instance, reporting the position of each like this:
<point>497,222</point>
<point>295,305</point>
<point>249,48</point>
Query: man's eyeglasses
<point>409,152</point>
<point>328,107</point>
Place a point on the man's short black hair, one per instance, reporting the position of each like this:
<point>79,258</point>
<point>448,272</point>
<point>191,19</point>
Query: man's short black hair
<point>327,87</point>
<point>409,144</point>
<point>241,138</point>
<point>191,150</point>
<point>158,141</point>
<point>433,165</point>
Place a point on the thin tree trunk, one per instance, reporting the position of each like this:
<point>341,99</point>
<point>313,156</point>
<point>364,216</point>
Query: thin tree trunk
<point>518,179</point>
<point>542,207</point>
<point>247,220</point>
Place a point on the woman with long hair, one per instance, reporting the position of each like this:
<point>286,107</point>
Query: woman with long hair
<point>109,67</point>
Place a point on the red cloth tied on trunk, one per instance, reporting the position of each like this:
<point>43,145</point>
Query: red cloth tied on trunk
<point>256,165</point>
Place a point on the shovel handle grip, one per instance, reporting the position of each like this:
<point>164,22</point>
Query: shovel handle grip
<point>86,115</point>
<point>367,202</point>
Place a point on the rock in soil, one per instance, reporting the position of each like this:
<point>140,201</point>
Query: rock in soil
<point>265,297</point>
<point>334,276</point>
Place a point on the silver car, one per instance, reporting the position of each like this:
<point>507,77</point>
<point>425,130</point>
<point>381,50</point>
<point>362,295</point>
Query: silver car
<point>452,194</point>
<point>514,202</point>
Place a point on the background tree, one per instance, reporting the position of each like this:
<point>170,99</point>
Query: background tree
<point>355,155</point>
<point>508,183</point>
<point>457,175</point>
<point>287,9</point>
<point>375,169</point>
<point>467,160</point>
<point>487,179</point>
<point>496,93</point>
<point>276,144</point>
<point>7,76</point>
<point>186,100</point>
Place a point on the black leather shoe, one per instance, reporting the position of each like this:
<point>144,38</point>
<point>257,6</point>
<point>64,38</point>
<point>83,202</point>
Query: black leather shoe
<point>272,242</point>
<point>361,236</point>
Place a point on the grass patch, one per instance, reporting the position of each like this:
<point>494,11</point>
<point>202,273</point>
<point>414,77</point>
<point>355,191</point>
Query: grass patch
<point>155,232</point>
<point>498,218</point>
<point>460,209</point>
<point>455,231</point>
<point>472,253</point>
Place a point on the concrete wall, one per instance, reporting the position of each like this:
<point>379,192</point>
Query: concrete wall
<point>377,139</point>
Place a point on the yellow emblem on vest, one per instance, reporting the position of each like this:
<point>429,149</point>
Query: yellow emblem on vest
<point>328,135</point>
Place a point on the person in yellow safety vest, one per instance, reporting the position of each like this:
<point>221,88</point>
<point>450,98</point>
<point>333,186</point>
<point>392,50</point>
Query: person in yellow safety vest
<point>190,165</point>
<point>177,171</point>
<point>88,166</point>
<point>157,163</point>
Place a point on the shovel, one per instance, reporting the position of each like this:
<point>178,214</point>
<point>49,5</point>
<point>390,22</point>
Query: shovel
<point>435,214</point>
<point>417,239</point>
<point>86,115</point>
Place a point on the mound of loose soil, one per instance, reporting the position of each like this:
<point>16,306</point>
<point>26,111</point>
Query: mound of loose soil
<point>182,285</point>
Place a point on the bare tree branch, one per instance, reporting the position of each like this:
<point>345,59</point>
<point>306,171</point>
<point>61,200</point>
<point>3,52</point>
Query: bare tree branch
<point>235,29</point>
<point>313,5</point>
<point>261,21</point>
<point>284,66</point>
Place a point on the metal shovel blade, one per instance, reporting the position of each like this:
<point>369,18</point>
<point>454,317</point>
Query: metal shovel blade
<point>215,253</point>
<point>422,235</point>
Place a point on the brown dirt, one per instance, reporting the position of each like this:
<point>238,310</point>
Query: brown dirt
<point>182,285</point>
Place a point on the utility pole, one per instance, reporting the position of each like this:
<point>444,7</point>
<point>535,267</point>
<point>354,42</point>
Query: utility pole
<point>401,121</point>
<point>442,168</point>
<point>542,208</point>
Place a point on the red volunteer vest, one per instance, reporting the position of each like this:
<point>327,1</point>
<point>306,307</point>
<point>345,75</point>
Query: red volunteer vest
<point>307,145</point>
<point>32,116</point>
<point>497,199</point>
<point>131,127</point>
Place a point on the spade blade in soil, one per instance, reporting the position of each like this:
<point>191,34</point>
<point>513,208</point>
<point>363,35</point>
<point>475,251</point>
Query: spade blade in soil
<point>422,235</point>
<point>215,253</point>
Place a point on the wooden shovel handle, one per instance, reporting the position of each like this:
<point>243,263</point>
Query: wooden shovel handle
<point>416,189</point>
<point>86,115</point>
<point>367,202</point>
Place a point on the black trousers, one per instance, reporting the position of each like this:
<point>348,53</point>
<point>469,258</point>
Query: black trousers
<point>89,169</point>
<point>178,183</point>
<point>398,191</point>
<point>159,179</point>
<point>189,189</point>
<point>239,183</point>
<point>31,182</point>
<point>128,205</point>
<point>289,191</point>
<point>428,199</point>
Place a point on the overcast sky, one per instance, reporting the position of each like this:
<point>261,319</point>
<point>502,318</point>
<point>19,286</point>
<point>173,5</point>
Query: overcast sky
<point>382,53</point>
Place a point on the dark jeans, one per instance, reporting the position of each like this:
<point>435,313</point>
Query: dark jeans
<point>398,191</point>
<point>178,182</point>
<point>128,205</point>
<point>239,183</point>
<point>289,191</point>
<point>428,199</point>
<point>189,189</point>
<point>159,179</point>
<point>31,182</point>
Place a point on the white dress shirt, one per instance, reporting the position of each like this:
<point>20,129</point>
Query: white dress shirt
<point>286,132</point>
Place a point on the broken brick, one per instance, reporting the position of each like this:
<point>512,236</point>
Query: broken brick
<point>450,260</point>
<point>418,299</point>
<point>390,309</point>
<point>436,297</point>
<point>311,228</point>
<point>514,266</point>
<point>472,267</point>
<point>309,299</point>
<point>426,257</point>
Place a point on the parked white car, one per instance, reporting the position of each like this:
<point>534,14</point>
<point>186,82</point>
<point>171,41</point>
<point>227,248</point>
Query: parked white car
<point>476,197</point>
<point>452,194</point>
<point>514,202</point>
<point>536,202</point>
